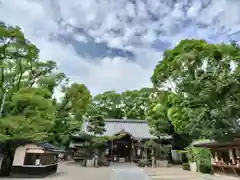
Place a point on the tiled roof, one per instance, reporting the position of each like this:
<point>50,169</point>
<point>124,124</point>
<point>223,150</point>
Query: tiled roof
<point>139,129</point>
<point>50,147</point>
<point>21,142</point>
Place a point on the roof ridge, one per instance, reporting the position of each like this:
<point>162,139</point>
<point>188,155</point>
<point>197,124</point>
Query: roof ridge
<point>126,120</point>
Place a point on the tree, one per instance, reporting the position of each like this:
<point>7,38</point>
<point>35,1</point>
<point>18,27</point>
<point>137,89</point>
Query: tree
<point>136,102</point>
<point>96,120</point>
<point>70,113</point>
<point>32,115</point>
<point>26,87</point>
<point>110,102</point>
<point>129,104</point>
<point>157,116</point>
<point>206,79</point>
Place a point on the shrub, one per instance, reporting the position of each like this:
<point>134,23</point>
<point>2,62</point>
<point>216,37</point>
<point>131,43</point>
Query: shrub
<point>202,157</point>
<point>142,163</point>
<point>206,169</point>
<point>190,154</point>
<point>195,154</point>
<point>203,160</point>
<point>186,166</point>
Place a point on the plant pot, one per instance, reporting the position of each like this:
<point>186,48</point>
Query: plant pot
<point>193,166</point>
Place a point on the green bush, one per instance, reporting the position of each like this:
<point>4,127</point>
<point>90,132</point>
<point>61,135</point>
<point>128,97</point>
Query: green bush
<point>142,163</point>
<point>206,169</point>
<point>202,157</point>
<point>186,166</point>
<point>203,160</point>
<point>190,154</point>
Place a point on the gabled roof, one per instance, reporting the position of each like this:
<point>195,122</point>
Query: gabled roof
<point>13,144</point>
<point>214,144</point>
<point>49,147</point>
<point>139,129</point>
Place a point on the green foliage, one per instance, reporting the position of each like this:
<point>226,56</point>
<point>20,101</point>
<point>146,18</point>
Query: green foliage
<point>202,99</point>
<point>203,160</point>
<point>110,103</point>
<point>129,104</point>
<point>186,166</point>
<point>96,120</point>
<point>206,81</point>
<point>142,163</point>
<point>70,112</point>
<point>190,154</point>
<point>205,169</point>
<point>201,156</point>
<point>28,109</point>
<point>161,151</point>
<point>157,117</point>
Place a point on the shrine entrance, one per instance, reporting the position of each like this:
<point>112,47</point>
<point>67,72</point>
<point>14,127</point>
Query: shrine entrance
<point>122,150</point>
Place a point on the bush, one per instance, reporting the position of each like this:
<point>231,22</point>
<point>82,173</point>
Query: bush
<point>202,157</point>
<point>203,160</point>
<point>186,166</point>
<point>142,163</point>
<point>190,154</point>
<point>205,169</point>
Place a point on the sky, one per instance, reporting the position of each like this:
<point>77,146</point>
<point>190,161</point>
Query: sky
<point>115,45</point>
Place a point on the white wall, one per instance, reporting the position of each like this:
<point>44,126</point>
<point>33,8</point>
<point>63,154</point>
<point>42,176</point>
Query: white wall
<point>20,151</point>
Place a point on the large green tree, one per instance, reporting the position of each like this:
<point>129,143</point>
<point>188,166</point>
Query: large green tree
<point>110,103</point>
<point>27,86</point>
<point>205,79</point>
<point>129,104</point>
<point>136,102</point>
<point>157,116</point>
<point>32,115</point>
<point>70,113</point>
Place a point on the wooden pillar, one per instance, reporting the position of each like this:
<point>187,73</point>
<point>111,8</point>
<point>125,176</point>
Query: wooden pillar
<point>133,154</point>
<point>145,152</point>
<point>231,157</point>
<point>237,153</point>
<point>153,158</point>
<point>216,156</point>
<point>96,160</point>
<point>1,161</point>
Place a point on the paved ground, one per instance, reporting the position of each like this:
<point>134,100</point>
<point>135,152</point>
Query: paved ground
<point>73,171</point>
<point>176,173</point>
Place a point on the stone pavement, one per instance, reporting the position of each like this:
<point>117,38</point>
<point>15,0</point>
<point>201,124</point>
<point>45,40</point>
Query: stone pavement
<point>74,171</point>
<point>176,173</point>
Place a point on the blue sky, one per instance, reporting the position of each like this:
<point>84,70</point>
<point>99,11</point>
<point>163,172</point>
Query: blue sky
<point>115,45</point>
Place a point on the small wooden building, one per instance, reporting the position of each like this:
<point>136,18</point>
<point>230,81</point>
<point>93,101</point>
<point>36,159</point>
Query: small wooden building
<point>225,156</point>
<point>24,158</point>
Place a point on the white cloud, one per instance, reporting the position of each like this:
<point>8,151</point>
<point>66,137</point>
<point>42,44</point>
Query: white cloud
<point>116,73</point>
<point>136,31</point>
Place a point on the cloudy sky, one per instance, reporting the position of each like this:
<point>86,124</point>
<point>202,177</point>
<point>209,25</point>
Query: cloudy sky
<point>115,45</point>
